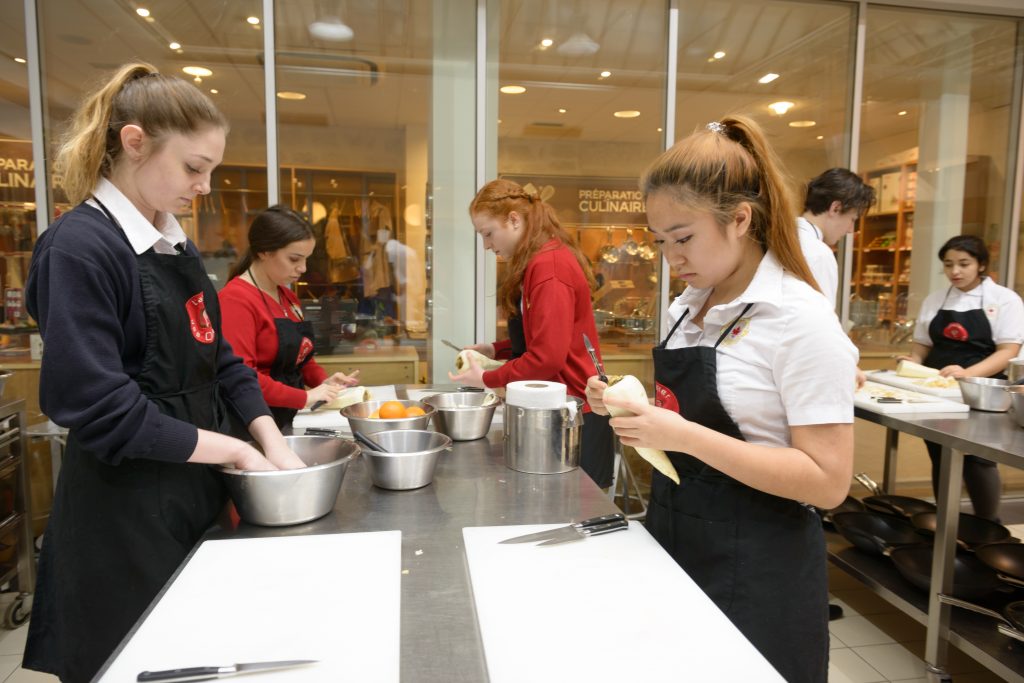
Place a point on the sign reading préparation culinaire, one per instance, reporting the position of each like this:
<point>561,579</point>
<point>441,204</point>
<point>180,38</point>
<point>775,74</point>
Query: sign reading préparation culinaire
<point>17,179</point>
<point>588,201</point>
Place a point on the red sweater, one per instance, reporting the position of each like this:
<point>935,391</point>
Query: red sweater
<point>557,312</point>
<point>248,325</point>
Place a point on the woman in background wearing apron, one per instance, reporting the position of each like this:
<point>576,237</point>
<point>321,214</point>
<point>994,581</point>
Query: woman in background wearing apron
<point>546,295</point>
<point>263,321</point>
<point>754,395</point>
<point>135,367</point>
<point>973,328</point>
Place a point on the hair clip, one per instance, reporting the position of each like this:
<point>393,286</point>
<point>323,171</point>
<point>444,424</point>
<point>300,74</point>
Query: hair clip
<point>716,127</point>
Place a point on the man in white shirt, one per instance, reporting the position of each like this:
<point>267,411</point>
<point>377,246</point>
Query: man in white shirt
<point>834,202</point>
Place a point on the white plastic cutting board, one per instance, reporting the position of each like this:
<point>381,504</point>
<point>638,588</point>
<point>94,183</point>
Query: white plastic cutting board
<point>867,397</point>
<point>610,608</point>
<point>918,384</point>
<point>332,419</point>
<point>334,598</point>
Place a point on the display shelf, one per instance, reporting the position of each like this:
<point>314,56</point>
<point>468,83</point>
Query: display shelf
<point>974,634</point>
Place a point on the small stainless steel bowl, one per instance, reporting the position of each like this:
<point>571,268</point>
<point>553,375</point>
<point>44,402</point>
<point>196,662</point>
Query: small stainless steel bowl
<point>985,393</point>
<point>411,458</point>
<point>1016,394</point>
<point>284,497</point>
<point>462,415</point>
<point>358,416</point>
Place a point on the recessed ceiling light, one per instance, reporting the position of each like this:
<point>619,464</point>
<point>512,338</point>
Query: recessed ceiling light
<point>561,111</point>
<point>227,181</point>
<point>512,89</point>
<point>253,20</point>
<point>802,124</point>
<point>175,46</point>
<point>142,12</point>
<point>767,78</point>
<point>214,91</point>
<point>200,71</point>
<point>659,130</point>
<point>606,74</point>
<point>547,42</point>
<point>291,95</point>
<point>626,114</point>
<point>820,137</point>
<point>781,108</point>
<point>901,113</point>
<point>20,60</point>
<point>718,55</point>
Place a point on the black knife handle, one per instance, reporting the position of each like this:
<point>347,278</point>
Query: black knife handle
<point>195,673</point>
<point>599,529</point>
<point>603,519</point>
<point>316,406</point>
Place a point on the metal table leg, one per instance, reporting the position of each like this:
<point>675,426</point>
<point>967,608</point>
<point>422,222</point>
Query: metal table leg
<point>947,521</point>
<point>892,442</point>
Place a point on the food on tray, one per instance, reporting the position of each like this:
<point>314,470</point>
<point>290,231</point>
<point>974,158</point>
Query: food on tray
<point>629,387</point>
<point>906,368</point>
<point>347,397</point>
<point>462,360</point>
<point>939,383</point>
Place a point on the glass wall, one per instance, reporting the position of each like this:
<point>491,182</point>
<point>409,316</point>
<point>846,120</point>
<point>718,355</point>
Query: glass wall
<point>580,93</point>
<point>935,134</point>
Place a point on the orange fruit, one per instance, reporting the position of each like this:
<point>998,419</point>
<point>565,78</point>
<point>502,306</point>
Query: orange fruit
<point>414,411</point>
<point>392,410</point>
<point>375,415</point>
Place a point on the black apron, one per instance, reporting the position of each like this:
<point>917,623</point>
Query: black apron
<point>960,337</point>
<point>117,533</point>
<point>597,454</point>
<point>760,558</point>
<point>293,338</point>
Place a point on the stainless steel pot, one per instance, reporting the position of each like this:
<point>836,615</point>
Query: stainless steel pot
<point>1015,371</point>
<point>541,440</point>
<point>985,393</point>
<point>462,415</point>
<point>1016,394</point>
<point>410,460</point>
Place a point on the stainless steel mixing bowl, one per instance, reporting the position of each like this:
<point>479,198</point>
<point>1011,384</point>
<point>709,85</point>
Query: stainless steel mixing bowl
<point>1016,394</point>
<point>463,415</point>
<point>985,393</point>
<point>411,458</point>
<point>358,416</point>
<point>283,497</point>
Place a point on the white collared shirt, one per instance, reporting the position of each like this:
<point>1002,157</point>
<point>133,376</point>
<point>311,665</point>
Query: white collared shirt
<point>786,363</point>
<point>140,232</point>
<point>820,258</point>
<point>1003,308</point>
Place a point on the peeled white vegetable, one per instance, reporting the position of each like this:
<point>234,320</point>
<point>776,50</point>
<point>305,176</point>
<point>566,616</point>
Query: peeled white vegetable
<point>347,397</point>
<point>906,368</point>
<point>462,360</point>
<point>628,387</point>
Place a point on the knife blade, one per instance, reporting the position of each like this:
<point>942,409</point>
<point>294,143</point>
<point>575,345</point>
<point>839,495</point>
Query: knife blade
<point>554,533</point>
<point>593,357</point>
<point>210,673</point>
<point>570,535</point>
<point>451,345</point>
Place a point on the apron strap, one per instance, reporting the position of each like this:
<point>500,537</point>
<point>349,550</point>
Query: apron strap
<point>675,327</point>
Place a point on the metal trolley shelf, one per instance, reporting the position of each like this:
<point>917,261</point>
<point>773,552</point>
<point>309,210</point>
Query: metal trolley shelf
<point>17,550</point>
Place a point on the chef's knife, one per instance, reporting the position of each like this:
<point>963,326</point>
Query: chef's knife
<point>567,535</point>
<point>451,345</point>
<point>593,357</point>
<point>556,533</point>
<point>211,673</point>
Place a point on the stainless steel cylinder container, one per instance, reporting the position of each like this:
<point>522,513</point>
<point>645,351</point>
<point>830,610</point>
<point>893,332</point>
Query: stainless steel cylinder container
<point>541,440</point>
<point>1015,371</point>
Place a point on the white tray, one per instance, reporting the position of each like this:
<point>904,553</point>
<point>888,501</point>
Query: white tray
<point>918,384</point>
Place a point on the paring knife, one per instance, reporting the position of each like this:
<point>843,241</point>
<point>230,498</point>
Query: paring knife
<point>211,673</point>
<point>593,357</point>
<point>451,345</point>
<point>576,531</point>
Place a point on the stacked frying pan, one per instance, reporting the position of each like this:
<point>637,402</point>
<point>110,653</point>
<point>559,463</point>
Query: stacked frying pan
<point>988,558</point>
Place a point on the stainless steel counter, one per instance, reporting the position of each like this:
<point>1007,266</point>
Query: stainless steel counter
<point>995,436</point>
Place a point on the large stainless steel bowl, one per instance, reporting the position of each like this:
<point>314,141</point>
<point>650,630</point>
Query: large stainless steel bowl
<point>463,415</point>
<point>358,416</point>
<point>1016,394</point>
<point>411,458</point>
<point>284,497</point>
<point>985,393</point>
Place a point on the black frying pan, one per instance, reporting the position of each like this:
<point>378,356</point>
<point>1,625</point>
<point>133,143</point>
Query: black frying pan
<point>971,577</point>
<point>876,533</point>
<point>898,505</point>
<point>851,504</point>
<point>1011,616</point>
<point>1006,558</point>
<point>971,532</point>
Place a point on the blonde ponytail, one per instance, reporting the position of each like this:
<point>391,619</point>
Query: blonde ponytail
<point>729,162</point>
<point>135,94</point>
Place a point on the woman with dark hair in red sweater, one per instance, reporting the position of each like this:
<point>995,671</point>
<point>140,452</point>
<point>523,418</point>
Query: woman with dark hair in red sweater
<point>546,295</point>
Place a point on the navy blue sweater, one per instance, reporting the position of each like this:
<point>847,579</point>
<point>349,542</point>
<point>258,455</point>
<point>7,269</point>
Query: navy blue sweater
<point>84,291</point>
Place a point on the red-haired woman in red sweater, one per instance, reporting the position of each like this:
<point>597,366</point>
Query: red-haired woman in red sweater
<point>546,294</point>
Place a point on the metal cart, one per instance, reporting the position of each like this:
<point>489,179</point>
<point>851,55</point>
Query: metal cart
<point>17,551</point>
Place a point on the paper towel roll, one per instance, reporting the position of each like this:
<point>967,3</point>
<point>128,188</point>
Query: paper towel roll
<point>535,394</point>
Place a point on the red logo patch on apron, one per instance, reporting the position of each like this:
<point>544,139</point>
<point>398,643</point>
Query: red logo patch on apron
<point>664,398</point>
<point>199,321</point>
<point>305,348</point>
<point>955,331</point>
